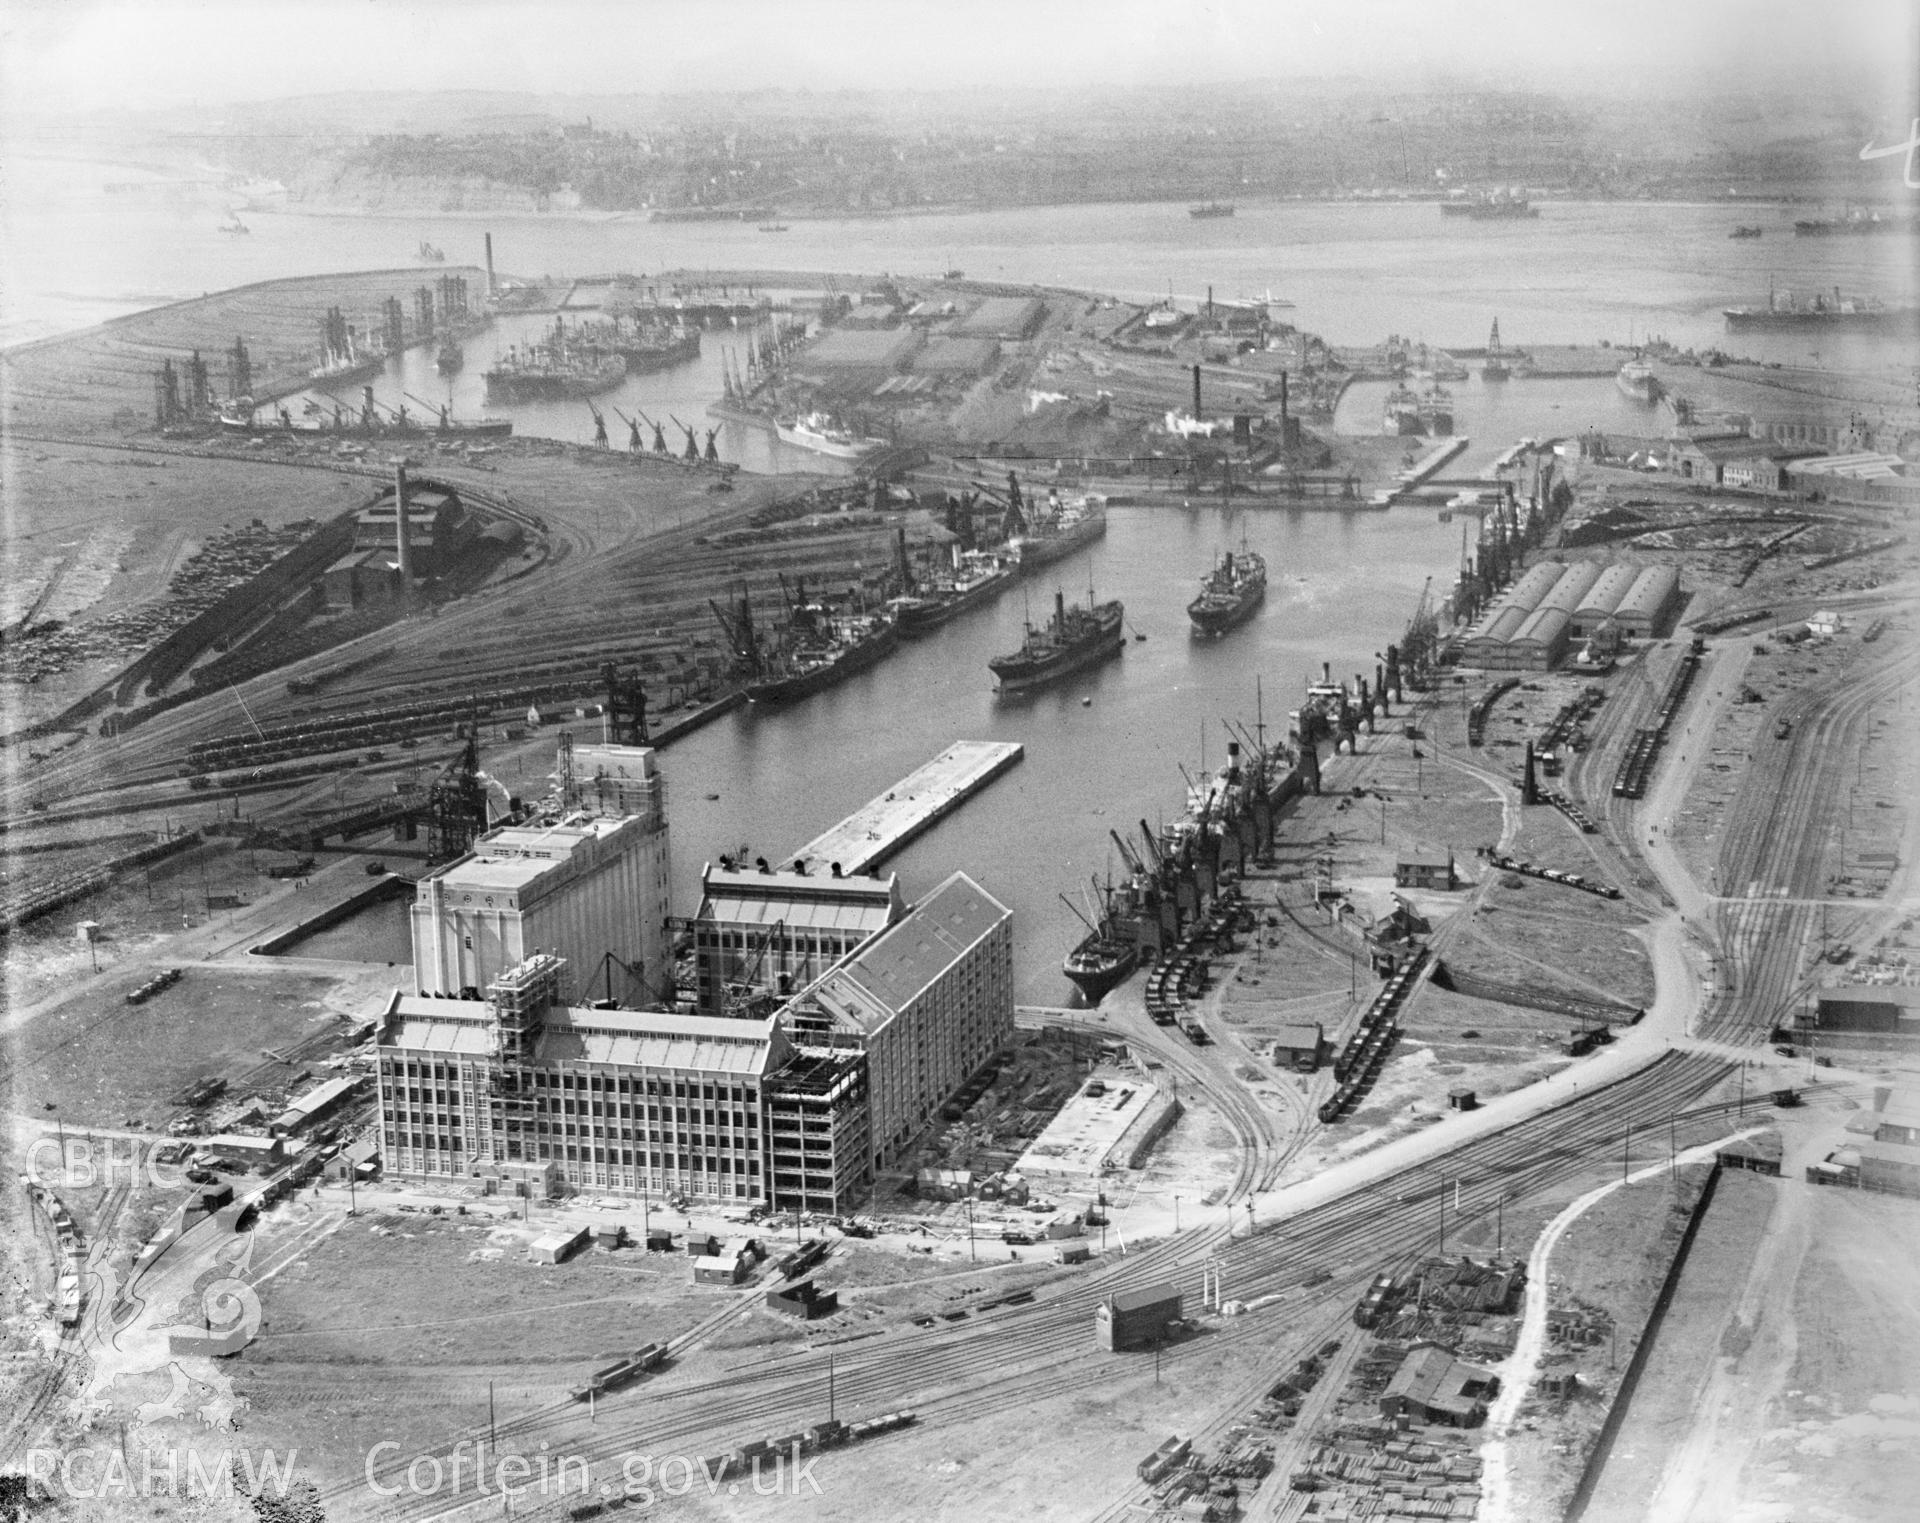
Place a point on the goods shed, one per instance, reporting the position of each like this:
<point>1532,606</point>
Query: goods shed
<point>846,353</point>
<point>1882,1009</point>
<point>957,357</point>
<point>1507,612</point>
<point>1008,318</point>
<point>1483,646</point>
<point>1570,587</point>
<point>1538,644</point>
<point>1596,606</point>
<point>1646,606</point>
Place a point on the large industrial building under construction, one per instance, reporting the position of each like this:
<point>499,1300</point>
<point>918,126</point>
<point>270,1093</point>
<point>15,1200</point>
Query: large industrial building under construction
<point>806,1070</point>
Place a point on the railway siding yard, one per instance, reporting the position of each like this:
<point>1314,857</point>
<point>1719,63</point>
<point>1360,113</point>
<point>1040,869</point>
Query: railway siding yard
<point>1523,1039</point>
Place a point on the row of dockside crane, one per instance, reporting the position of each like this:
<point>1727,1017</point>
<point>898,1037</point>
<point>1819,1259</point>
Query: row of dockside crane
<point>1360,1061</point>
<point>1644,749</point>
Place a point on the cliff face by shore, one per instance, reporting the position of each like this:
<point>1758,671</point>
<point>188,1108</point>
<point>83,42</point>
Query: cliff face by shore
<point>336,191</point>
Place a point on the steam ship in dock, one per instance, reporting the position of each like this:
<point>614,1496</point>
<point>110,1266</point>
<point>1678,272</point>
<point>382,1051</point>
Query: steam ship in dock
<point>1401,414</point>
<point>976,577</point>
<point>1180,886</point>
<point>818,647</point>
<point>1074,639</point>
<point>817,432</point>
<point>646,342</point>
<point>833,650</point>
<point>1077,524</point>
<point>1179,895</point>
<point>554,369</point>
<point>1436,411</point>
<point>1637,380</point>
<point>1101,961</point>
<point>352,361</point>
<point>1230,593</point>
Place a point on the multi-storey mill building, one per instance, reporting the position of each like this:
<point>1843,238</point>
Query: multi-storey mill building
<point>500,1075</point>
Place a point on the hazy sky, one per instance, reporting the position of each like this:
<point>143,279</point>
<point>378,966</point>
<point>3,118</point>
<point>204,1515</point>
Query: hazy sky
<point>83,55</point>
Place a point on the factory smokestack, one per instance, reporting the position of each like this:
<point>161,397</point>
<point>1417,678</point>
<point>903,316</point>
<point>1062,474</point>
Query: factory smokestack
<point>490,290</point>
<point>404,540</point>
<point>1283,403</point>
<point>1196,393</point>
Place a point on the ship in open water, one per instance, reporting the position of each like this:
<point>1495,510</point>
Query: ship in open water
<point>1072,640</point>
<point>1504,204</point>
<point>1787,311</point>
<point>1230,593</point>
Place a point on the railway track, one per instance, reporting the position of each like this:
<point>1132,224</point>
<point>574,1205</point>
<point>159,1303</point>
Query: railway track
<point>949,1373</point>
<point>71,1351</point>
<point>1027,1353</point>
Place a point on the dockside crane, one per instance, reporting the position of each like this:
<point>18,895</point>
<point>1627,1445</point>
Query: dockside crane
<point>634,445</point>
<point>742,640</point>
<point>659,433</point>
<point>1078,916</point>
<point>692,451</point>
<point>599,425</point>
<point>1153,846</point>
<point>626,716</point>
<point>443,410</point>
<point>1417,645</point>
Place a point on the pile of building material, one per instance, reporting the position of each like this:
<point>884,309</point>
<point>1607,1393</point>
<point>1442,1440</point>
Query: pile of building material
<point>1365,1470</point>
<point>1190,1484</point>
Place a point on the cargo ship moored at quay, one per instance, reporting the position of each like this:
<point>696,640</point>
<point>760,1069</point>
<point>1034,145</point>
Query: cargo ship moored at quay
<point>847,646</point>
<point>1637,380</point>
<point>553,370</point>
<point>976,578</point>
<point>1075,526</point>
<point>1179,885</point>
